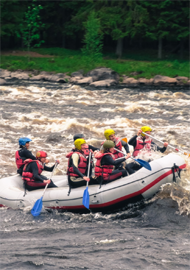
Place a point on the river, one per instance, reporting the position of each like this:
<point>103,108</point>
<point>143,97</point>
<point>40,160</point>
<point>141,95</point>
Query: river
<point>154,235</point>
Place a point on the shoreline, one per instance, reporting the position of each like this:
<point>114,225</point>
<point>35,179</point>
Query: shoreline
<point>99,78</point>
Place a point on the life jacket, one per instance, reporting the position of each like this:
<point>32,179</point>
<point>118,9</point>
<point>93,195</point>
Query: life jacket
<point>103,170</point>
<point>118,145</point>
<point>86,151</point>
<point>18,159</point>
<point>81,166</point>
<point>28,176</point>
<point>142,144</point>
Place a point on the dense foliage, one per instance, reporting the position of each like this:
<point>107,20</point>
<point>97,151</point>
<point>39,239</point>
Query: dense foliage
<point>126,24</point>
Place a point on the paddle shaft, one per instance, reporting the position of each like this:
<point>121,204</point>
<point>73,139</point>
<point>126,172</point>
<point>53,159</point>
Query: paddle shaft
<point>176,149</point>
<point>124,154</point>
<point>88,172</point>
<point>50,178</point>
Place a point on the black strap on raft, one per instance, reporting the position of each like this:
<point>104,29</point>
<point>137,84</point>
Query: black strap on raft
<point>24,185</point>
<point>69,182</point>
<point>176,168</point>
<point>101,180</point>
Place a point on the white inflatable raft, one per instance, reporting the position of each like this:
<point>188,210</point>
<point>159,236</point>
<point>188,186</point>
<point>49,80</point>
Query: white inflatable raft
<point>141,185</point>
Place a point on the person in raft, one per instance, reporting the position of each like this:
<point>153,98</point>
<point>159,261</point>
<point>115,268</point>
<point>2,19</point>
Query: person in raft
<point>106,163</point>
<point>23,154</point>
<point>142,142</point>
<point>89,147</point>
<point>78,165</point>
<point>32,172</point>
<point>118,143</point>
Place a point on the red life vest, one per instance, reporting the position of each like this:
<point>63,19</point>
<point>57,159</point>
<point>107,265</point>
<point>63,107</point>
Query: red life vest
<point>18,159</point>
<point>142,144</point>
<point>81,166</point>
<point>118,145</point>
<point>28,176</point>
<point>103,170</point>
<point>86,151</point>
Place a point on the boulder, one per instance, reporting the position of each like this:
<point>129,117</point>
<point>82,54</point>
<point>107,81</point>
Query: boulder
<point>130,81</point>
<point>4,73</point>
<point>2,81</point>
<point>181,78</point>
<point>100,74</point>
<point>143,81</point>
<point>188,82</point>
<point>75,79</point>
<point>19,75</point>
<point>104,83</point>
<point>78,73</point>
<point>37,78</point>
<point>158,79</point>
<point>86,80</point>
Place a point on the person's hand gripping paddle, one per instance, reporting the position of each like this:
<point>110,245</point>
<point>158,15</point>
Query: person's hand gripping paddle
<point>86,198</point>
<point>143,163</point>
<point>36,210</point>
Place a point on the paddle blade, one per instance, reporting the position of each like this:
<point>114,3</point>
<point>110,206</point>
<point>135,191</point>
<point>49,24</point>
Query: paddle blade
<point>124,139</point>
<point>85,199</point>
<point>37,207</point>
<point>144,164</point>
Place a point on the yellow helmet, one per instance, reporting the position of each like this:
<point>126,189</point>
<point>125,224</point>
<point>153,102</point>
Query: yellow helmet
<point>145,129</point>
<point>78,143</point>
<point>108,132</point>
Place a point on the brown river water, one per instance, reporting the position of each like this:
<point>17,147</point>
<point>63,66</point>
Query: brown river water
<point>154,235</point>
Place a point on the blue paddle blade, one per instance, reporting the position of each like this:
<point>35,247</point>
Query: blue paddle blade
<point>85,199</point>
<point>144,164</point>
<point>37,207</point>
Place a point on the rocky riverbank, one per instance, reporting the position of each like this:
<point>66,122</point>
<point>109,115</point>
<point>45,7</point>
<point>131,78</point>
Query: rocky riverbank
<point>97,78</point>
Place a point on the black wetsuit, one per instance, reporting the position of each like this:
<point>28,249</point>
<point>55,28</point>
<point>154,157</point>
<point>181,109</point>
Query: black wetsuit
<point>93,148</point>
<point>38,183</point>
<point>133,166</point>
<point>24,153</point>
<point>126,146</point>
<point>117,173</point>
<point>133,142</point>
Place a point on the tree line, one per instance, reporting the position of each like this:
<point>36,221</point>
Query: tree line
<point>162,24</point>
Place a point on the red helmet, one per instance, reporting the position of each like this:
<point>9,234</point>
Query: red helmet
<point>41,154</point>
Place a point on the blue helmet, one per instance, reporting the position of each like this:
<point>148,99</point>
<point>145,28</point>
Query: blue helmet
<point>24,140</point>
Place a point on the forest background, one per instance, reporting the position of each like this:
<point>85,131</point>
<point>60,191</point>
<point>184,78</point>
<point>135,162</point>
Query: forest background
<point>148,37</point>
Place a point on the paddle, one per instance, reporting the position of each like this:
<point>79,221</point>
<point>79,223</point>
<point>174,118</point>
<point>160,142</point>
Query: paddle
<point>168,144</point>
<point>143,163</point>
<point>86,198</point>
<point>38,204</point>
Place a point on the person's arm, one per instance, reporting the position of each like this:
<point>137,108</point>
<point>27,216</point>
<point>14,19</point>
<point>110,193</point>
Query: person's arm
<point>160,149</point>
<point>28,154</point>
<point>108,160</point>
<point>133,141</point>
<point>34,169</point>
<point>126,146</point>
<point>93,148</point>
<point>49,169</point>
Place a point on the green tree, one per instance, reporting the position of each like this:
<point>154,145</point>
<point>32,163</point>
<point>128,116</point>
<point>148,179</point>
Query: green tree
<point>57,16</point>
<point>31,26</point>
<point>12,12</point>
<point>93,38</point>
<point>121,19</point>
<point>167,19</point>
